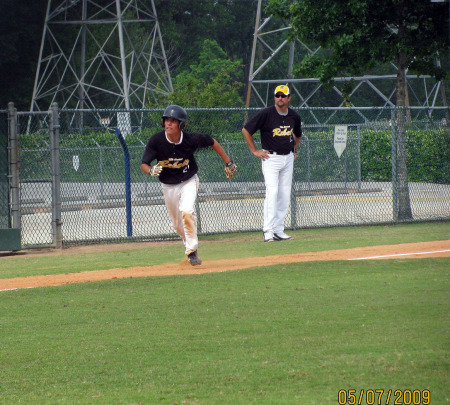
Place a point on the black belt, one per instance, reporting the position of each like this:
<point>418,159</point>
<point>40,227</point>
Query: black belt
<point>272,152</point>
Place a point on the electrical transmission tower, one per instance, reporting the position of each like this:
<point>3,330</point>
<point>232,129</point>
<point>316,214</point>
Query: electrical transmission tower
<point>100,54</point>
<point>273,58</point>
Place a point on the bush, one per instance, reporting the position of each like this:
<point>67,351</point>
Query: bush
<point>428,149</point>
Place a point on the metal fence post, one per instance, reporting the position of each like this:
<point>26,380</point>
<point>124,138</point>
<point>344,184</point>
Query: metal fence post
<point>358,156</point>
<point>56,176</point>
<point>102,182</point>
<point>346,167</point>
<point>14,167</point>
<point>308,163</point>
<point>293,204</point>
<point>126,156</point>
<point>394,167</point>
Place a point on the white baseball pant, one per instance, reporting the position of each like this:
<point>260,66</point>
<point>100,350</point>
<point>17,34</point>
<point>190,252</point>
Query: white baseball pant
<point>277,171</point>
<point>180,202</point>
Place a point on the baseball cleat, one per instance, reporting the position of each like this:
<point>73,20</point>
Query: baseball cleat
<point>194,259</point>
<point>281,236</point>
<point>268,237</point>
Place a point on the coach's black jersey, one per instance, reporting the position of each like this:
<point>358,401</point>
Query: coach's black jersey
<point>276,130</point>
<point>177,160</point>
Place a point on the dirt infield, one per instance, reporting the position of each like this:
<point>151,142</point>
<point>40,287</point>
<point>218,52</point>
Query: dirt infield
<point>401,251</point>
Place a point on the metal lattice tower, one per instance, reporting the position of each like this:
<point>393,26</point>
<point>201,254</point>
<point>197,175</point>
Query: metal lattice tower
<point>271,53</point>
<point>100,54</point>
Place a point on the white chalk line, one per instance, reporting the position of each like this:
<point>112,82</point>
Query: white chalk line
<point>16,288</point>
<point>401,254</point>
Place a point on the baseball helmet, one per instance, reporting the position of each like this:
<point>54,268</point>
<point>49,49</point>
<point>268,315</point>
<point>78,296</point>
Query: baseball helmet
<point>176,112</point>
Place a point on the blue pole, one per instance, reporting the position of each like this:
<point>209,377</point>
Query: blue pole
<point>126,156</point>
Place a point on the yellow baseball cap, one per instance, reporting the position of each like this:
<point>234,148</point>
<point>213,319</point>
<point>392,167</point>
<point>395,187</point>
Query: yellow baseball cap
<point>282,89</point>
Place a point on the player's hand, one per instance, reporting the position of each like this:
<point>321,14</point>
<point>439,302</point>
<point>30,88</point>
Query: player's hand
<point>155,170</point>
<point>230,169</point>
<point>262,154</point>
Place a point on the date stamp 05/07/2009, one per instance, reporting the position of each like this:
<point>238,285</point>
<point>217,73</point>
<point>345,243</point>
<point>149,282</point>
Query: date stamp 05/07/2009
<point>384,397</point>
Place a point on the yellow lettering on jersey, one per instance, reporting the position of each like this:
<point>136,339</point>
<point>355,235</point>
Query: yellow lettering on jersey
<point>283,131</point>
<point>174,163</point>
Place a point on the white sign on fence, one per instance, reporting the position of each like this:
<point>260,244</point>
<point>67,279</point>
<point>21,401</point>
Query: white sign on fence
<point>76,162</point>
<point>105,122</point>
<point>124,123</point>
<point>340,139</point>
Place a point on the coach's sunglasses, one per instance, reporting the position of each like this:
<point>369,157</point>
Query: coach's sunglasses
<point>280,95</point>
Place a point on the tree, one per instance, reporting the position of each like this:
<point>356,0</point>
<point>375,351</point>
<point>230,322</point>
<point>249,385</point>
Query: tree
<point>212,82</point>
<point>185,24</point>
<point>357,35</point>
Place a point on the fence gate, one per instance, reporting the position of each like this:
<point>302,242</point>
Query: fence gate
<point>9,226</point>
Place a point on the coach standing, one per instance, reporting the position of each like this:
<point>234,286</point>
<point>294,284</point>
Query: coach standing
<point>280,128</point>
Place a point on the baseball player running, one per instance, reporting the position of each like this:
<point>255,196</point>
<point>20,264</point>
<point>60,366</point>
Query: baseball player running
<point>177,171</point>
<point>281,129</point>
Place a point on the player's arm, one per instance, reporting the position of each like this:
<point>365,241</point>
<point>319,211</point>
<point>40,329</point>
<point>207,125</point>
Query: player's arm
<point>230,167</point>
<point>145,168</point>
<point>217,147</point>
<point>263,154</point>
<point>149,156</point>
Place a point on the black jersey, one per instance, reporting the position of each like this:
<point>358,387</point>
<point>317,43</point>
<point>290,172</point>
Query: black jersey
<point>177,160</point>
<point>277,130</point>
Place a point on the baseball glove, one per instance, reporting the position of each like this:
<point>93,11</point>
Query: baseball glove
<point>230,169</point>
<point>155,170</point>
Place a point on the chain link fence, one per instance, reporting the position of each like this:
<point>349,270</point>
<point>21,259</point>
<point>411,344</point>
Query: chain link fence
<point>73,172</point>
<point>5,221</point>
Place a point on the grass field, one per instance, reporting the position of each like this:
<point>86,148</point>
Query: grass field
<point>287,334</point>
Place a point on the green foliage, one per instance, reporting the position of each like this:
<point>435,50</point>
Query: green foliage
<point>376,162</point>
<point>428,155</point>
<point>428,152</point>
<point>215,81</point>
<point>186,24</point>
<point>358,35</point>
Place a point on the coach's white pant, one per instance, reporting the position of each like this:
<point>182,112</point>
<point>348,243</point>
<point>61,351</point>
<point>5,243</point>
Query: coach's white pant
<point>277,171</point>
<point>180,202</point>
